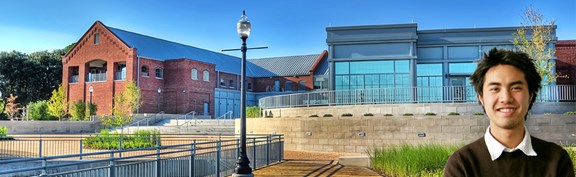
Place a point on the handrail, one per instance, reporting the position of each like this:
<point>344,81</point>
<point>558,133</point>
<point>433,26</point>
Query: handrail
<point>401,95</point>
<point>186,119</point>
<point>224,115</point>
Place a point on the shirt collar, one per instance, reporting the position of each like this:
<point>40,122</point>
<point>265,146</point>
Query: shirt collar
<point>496,148</point>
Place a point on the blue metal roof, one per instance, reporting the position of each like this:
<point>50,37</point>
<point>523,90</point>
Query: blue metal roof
<point>283,66</point>
<point>159,49</point>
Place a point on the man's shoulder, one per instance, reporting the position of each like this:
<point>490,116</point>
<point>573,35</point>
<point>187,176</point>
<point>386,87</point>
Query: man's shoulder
<point>474,148</point>
<point>543,146</point>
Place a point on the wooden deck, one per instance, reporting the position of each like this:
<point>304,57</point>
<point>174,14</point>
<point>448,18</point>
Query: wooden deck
<point>316,168</point>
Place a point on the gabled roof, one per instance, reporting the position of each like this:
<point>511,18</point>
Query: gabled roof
<point>159,49</point>
<point>284,66</point>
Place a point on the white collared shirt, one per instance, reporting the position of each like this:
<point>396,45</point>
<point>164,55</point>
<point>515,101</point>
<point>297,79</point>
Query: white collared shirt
<point>496,148</point>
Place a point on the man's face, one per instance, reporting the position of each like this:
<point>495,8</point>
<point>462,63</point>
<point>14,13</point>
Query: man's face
<point>505,97</point>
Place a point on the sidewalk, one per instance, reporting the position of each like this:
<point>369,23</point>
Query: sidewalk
<point>299,168</point>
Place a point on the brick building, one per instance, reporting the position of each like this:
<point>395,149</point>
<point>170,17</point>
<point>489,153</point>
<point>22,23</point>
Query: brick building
<point>566,62</point>
<point>176,78</point>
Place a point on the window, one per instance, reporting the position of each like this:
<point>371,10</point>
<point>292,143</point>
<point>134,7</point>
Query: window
<point>231,84</point>
<point>288,86</point>
<point>96,39</point>
<point>121,72</point>
<point>144,71</point>
<point>302,85</point>
<point>206,75</point>
<point>159,73</point>
<point>276,85</point>
<point>194,74</point>
<point>222,83</point>
<point>250,86</point>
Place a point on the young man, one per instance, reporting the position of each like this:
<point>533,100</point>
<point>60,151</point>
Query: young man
<point>507,83</point>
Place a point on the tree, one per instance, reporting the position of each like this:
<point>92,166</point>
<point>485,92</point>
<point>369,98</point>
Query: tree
<point>33,76</point>
<point>533,38</point>
<point>57,104</point>
<point>125,103</point>
<point>11,106</point>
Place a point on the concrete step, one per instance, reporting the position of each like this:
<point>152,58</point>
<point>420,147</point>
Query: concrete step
<point>197,122</point>
<point>207,130</point>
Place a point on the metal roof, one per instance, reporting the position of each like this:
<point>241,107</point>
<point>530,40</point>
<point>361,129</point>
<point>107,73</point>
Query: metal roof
<point>159,49</point>
<point>283,66</point>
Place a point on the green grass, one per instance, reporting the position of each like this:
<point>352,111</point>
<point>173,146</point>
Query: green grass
<point>412,160</point>
<point>572,154</point>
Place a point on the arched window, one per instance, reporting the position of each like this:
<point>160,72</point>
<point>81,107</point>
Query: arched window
<point>159,73</point>
<point>288,86</point>
<point>194,74</point>
<point>144,71</point>
<point>206,75</point>
<point>302,85</point>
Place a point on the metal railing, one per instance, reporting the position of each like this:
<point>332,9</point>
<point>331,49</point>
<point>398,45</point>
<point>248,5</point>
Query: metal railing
<point>440,94</point>
<point>188,157</point>
<point>96,77</point>
<point>227,115</point>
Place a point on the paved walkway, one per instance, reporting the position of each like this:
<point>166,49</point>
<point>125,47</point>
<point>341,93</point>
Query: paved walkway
<point>316,168</point>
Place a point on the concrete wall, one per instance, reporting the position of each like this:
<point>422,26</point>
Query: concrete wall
<point>400,109</point>
<point>51,127</point>
<point>344,134</point>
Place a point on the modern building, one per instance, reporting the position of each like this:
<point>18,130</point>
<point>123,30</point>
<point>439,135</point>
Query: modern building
<point>173,77</point>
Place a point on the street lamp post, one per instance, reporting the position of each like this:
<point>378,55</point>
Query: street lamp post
<point>158,102</point>
<point>243,167</point>
<point>91,89</point>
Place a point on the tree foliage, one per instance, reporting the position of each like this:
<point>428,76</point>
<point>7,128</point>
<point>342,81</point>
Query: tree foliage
<point>11,106</point>
<point>533,38</point>
<point>125,103</point>
<point>38,110</point>
<point>33,76</point>
<point>78,110</point>
<point>57,104</point>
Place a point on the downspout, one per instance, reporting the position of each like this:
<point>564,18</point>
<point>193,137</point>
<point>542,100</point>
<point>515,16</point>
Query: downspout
<point>138,78</point>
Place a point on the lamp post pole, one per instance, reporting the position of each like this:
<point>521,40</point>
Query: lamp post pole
<point>158,101</point>
<point>243,167</point>
<point>91,89</point>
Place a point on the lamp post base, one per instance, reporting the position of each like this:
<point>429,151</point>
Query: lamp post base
<point>242,175</point>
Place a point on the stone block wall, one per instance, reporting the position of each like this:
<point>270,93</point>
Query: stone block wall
<point>363,133</point>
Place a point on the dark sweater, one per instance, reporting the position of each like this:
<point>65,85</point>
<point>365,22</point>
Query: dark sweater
<point>474,160</point>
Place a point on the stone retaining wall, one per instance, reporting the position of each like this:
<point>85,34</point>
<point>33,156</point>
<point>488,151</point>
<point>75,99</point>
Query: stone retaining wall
<point>361,133</point>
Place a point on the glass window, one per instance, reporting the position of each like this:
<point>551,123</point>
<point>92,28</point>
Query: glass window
<point>288,86</point>
<point>194,74</point>
<point>402,66</point>
<point>429,69</point>
<point>462,68</point>
<point>96,39</point>
<point>159,73</point>
<point>144,71</point>
<point>342,68</point>
<point>302,85</point>
<point>206,75</point>
<point>276,85</point>
<point>232,84</point>
<point>249,86</point>
<point>222,83</point>
<point>463,52</point>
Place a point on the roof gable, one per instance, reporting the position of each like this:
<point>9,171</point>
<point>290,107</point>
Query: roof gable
<point>284,66</point>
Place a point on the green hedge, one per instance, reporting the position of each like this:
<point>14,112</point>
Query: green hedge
<point>107,140</point>
<point>78,110</point>
<point>408,160</point>
<point>252,112</point>
<point>39,111</point>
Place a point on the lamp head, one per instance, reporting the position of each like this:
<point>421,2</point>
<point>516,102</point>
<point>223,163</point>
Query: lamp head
<point>243,26</point>
<point>91,89</point>
<point>159,90</point>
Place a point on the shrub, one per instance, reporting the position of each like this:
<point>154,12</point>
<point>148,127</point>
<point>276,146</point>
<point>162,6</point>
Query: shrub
<point>107,140</point>
<point>408,114</point>
<point>39,111</point>
<point>478,113</point>
<point>430,114</point>
<point>387,114</point>
<point>570,113</point>
<point>78,110</point>
<point>453,114</point>
<point>327,115</point>
<point>368,114</point>
<point>346,115</point>
<point>313,115</point>
<point>407,160</point>
<point>92,108</point>
<point>4,134</point>
<point>252,111</point>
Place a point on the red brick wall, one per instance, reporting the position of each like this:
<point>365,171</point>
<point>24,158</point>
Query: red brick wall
<point>151,100</point>
<point>227,77</point>
<point>182,94</point>
<point>109,49</point>
<point>566,62</point>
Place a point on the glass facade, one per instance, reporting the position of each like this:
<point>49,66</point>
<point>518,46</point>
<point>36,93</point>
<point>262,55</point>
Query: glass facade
<point>384,80</point>
<point>429,82</point>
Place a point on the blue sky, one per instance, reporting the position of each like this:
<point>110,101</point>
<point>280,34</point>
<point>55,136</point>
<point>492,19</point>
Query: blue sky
<point>296,27</point>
